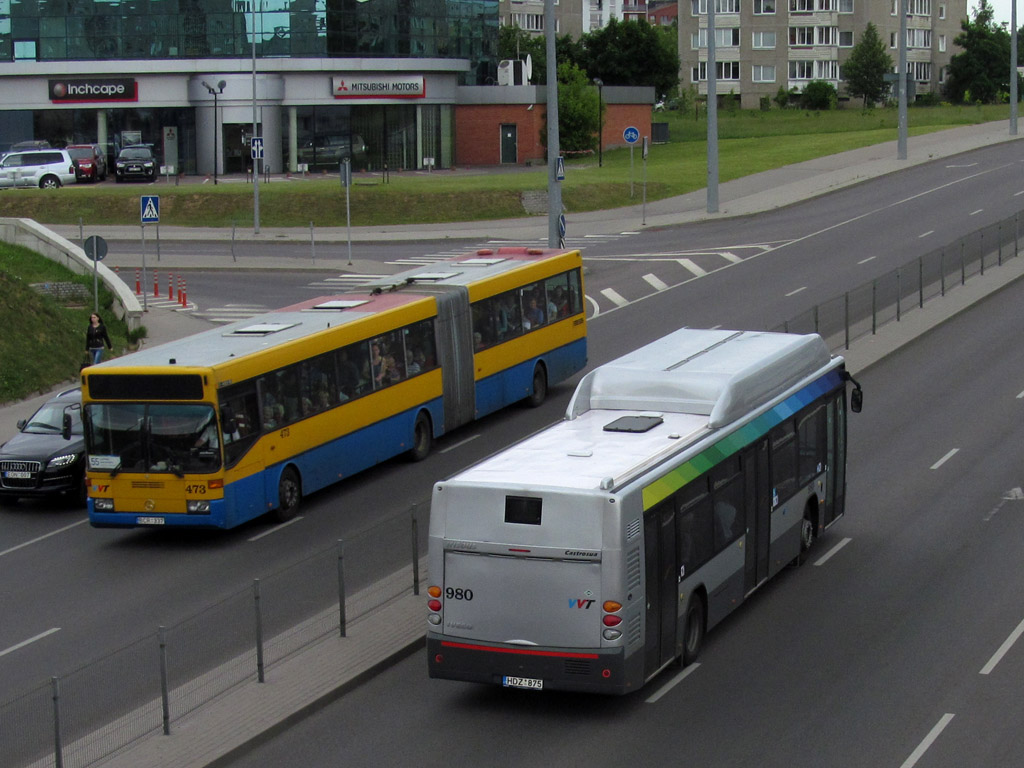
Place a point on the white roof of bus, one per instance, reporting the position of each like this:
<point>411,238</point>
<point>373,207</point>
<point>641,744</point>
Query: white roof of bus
<point>720,374</point>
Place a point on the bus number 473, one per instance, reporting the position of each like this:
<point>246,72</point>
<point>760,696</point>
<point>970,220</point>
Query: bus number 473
<point>195,489</point>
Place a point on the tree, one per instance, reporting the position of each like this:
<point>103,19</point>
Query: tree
<point>578,120</point>
<point>981,73</point>
<point>865,70</point>
<point>631,53</point>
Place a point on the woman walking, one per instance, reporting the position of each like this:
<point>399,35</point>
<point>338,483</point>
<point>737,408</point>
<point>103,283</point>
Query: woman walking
<point>95,337</point>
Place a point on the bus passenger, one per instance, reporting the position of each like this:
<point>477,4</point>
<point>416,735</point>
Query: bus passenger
<point>534,315</point>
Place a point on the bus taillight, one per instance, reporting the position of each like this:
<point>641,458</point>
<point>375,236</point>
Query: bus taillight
<point>434,605</point>
<point>610,620</point>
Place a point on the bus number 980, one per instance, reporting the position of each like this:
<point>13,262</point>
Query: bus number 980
<point>458,594</point>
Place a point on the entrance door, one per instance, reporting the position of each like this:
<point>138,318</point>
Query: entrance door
<point>237,153</point>
<point>759,511</point>
<point>662,586</point>
<point>835,480</point>
<point>509,143</point>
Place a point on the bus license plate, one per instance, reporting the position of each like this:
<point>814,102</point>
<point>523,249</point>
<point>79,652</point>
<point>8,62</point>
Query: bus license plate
<point>149,521</point>
<point>522,682</point>
<point>18,475</point>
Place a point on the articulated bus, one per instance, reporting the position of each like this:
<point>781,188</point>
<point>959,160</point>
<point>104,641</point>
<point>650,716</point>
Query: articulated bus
<point>242,420</point>
<point>594,553</point>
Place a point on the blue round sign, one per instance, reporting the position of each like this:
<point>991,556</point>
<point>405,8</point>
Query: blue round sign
<point>631,135</point>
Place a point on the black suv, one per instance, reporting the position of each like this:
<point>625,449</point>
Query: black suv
<point>42,459</point>
<point>135,162</point>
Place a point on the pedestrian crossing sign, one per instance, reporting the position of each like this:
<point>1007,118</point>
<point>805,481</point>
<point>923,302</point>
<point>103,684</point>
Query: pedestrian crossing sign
<point>150,208</point>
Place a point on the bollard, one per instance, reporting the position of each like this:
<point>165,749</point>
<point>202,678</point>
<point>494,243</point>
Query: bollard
<point>165,697</point>
<point>138,281</point>
<point>341,586</point>
<point>259,631</point>
<point>156,284</point>
<point>170,286</point>
<point>58,744</point>
<point>182,294</point>
<point>415,552</point>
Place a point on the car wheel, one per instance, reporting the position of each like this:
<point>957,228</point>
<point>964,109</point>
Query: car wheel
<point>49,182</point>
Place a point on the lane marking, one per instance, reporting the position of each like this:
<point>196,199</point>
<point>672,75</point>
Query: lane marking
<point>44,536</point>
<point>31,640</point>
<point>933,734</point>
<point>865,261</point>
<point>614,296</point>
<point>459,444</point>
<point>975,213</point>
<point>944,459</point>
<point>925,234</point>
<point>794,293</point>
<point>731,257</point>
<point>691,267</point>
<point>655,282</point>
<point>1021,395</point>
<point>276,528</point>
<point>672,683</point>
<point>1017,194</point>
<point>1003,649</point>
<point>825,558</point>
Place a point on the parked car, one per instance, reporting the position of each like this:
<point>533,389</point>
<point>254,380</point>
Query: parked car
<point>43,460</point>
<point>135,162</point>
<point>90,161</point>
<point>331,150</point>
<point>43,168</point>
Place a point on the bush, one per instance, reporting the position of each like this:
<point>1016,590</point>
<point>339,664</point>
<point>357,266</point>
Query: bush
<point>819,94</point>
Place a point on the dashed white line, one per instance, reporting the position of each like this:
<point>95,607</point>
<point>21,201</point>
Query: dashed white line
<point>1020,396</point>
<point>44,536</point>
<point>794,293</point>
<point>31,640</point>
<point>925,234</point>
<point>944,459</point>
<point>1006,646</point>
<point>689,265</point>
<point>825,558</point>
<point>655,282</point>
<point>975,213</point>
<point>459,444</point>
<point>614,296</point>
<point>276,528</point>
<point>672,683</point>
<point>865,261</point>
<point>933,734</point>
<point>731,257</point>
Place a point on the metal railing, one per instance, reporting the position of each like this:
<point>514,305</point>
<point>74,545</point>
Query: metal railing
<point>87,714</point>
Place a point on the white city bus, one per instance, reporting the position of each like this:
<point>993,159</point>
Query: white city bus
<point>596,552</point>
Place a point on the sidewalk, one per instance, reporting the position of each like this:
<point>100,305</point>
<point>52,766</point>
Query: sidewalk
<point>252,713</point>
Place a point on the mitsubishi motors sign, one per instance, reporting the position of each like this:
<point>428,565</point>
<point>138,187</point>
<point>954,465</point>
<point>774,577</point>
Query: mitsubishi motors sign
<point>93,89</point>
<point>379,86</point>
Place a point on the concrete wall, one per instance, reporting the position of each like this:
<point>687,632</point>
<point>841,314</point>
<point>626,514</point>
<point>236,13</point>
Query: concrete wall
<point>35,237</point>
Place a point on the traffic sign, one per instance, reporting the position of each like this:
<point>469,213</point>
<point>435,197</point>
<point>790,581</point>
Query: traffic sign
<point>95,247</point>
<point>631,135</point>
<point>256,148</point>
<point>150,209</point>
<point>560,168</point>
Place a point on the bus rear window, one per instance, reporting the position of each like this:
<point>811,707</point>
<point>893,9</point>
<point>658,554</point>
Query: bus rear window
<point>522,510</point>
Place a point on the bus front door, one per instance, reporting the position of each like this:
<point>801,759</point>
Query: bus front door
<point>662,586</point>
<point>759,511</point>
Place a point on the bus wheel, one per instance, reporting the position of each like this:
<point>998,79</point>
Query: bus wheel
<point>693,629</point>
<point>540,387</point>
<point>289,493</point>
<point>422,438</point>
<point>807,529</point>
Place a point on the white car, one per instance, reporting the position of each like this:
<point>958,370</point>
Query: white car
<point>43,168</point>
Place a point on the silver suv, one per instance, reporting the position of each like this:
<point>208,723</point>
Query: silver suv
<point>43,168</point>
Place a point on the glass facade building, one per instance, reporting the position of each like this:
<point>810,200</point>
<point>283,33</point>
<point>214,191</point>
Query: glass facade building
<point>318,80</point>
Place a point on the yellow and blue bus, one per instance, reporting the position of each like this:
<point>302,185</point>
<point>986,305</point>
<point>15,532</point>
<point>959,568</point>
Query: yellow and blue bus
<point>245,419</point>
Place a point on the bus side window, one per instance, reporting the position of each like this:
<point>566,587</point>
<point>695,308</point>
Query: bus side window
<point>575,301</point>
<point>812,445</point>
<point>693,525</point>
<point>784,461</point>
<point>240,406</point>
<point>727,499</point>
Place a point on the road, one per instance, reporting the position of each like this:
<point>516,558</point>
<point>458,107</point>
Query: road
<point>81,593</point>
<point>887,649</point>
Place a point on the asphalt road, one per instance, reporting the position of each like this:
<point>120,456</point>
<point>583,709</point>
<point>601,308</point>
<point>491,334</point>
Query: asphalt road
<point>883,651</point>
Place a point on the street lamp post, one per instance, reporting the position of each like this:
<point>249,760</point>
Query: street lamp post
<point>600,122</point>
<point>215,92</point>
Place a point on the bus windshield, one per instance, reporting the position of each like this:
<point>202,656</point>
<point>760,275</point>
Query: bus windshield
<point>164,437</point>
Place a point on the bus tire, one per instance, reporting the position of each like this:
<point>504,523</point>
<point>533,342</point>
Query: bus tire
<point>289,494</point>
<point>540,387</point>
<point>694,628</point>
<point>808,526</point>
<point>422,438</point>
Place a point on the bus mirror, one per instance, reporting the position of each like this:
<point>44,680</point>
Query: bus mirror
<point>856,400</point>
<point>65,426</point>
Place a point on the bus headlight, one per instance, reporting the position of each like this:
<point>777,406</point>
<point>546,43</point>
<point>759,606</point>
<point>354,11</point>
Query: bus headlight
<point>103,505</point>
<point>198,507</point>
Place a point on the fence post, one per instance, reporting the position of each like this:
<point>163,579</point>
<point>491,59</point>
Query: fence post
<point>1016,233</point>
<point>942,272</point>
<point>58,747</point>
<point>963,265</point>
<point>312,242</point>
<point>785,326</point>
<point>259,630</point>
<point>874,306</point>
<point>415,553</point>
<point>999,235</point>
<point>899,291</point>
<point>165,698</point>
<point>846,313</point>
<point>816,318</point>
<point>981,250</point>
<point>233,257</point>
<point>920,282</point>
<point>341,586</point>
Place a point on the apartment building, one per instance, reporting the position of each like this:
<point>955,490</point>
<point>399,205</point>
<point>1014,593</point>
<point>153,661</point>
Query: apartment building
<point>764,45</point>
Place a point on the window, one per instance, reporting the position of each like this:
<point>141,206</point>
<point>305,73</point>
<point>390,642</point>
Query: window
<point>727,503</point>
<point>801,70</point>
<point>784,462</point>
<point>826,70</point>
<point>801,6</point>
<point>728,37</point>
<point>724,70</point>
<point>764,39</point>
<point>920,71</point>
<point>811,429</point>
<point>510,314</point>
<point>700,7</point>
<point>826,5</point>
<point>942,43</point>
<point>826,35</point>
<point>693,525</point>
<point>845,39</point>
<point>764,73</point>
<point>801,36</point>
<point>919,38</point>
<point>942,11</point>
<point>846,6</point>
<point>764,7</point>
<point>531,22</point>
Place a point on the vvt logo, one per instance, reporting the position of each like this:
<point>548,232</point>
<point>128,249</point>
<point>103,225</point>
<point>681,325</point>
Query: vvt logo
<point>579,602</point>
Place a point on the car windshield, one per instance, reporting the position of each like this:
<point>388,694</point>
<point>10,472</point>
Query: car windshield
<point>136,153</point>
<point>49,420</point>
<point>80,153</point>
<point>153,438</point>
